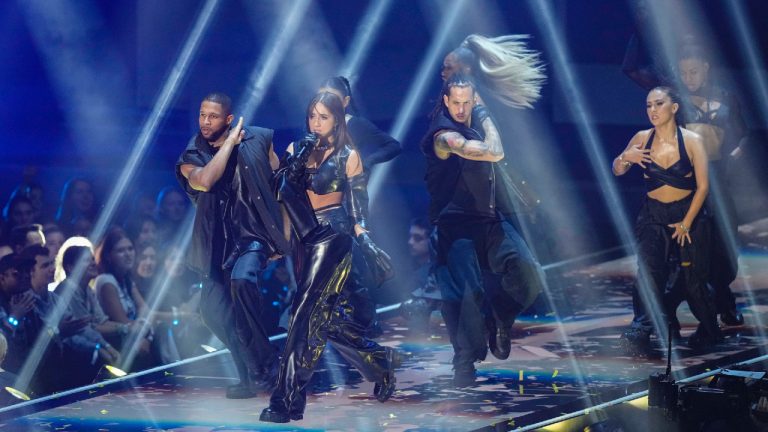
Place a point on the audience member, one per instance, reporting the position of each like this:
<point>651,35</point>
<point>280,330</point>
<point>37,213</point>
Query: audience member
<point>77,207</point>
<point>118,295</point>
<point>26,235</point>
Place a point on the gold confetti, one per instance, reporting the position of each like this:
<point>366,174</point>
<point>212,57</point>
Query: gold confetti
<point>17,394</point>
<point>115,371</point>
<point>520,389</point>
<point>555,373</point>
<point>554,388</point>
<point>104,411</point>
<point>521,375</point>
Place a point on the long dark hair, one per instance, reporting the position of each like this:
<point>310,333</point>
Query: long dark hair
<point>104,249</point>
<point>336,107</point>
<point>341,85</point>
<point>66,214</point>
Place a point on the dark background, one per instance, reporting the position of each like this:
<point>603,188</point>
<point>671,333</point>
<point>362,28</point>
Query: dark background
<point>79,80</point>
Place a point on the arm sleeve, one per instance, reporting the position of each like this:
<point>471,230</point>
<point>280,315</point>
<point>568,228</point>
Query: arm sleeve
<point>357,199</point>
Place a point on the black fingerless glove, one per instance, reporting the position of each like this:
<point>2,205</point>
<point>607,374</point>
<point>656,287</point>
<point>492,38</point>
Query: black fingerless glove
<point>379,262</point>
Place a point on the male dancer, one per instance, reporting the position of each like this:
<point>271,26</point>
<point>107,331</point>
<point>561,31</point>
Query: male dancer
<point>237,229</point>
<point>462,148</point>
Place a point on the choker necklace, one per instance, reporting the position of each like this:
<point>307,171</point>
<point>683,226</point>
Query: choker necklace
<point>322,147</point>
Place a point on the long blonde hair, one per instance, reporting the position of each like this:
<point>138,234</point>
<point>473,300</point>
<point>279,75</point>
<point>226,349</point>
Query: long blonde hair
<point>511,71</point>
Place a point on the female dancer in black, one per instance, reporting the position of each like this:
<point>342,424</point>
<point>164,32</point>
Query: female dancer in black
<point>715,114</point>
<point>318,183</point>
<point>671,226</point>
<point>374,147</point>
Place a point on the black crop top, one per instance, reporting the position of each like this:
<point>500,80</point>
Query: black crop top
<point>331,175</point>
<point>676,175</point>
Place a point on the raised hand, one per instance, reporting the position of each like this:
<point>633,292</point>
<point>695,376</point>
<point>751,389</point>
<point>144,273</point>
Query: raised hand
<point>681,233</point>
<point>637,155</point>
<point>236,134</point>
<point>21,304</point>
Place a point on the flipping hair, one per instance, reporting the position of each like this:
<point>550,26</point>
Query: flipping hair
<point>513,73</point>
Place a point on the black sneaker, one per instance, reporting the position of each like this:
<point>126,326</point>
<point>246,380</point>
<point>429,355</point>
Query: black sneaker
<point>700,341</point>
<point>268,415</point>
<point>732,318</point>
<point>464,377</point>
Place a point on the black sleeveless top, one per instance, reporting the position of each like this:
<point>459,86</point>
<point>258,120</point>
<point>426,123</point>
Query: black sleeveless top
<point>676,175</point>
<point>331,175</point>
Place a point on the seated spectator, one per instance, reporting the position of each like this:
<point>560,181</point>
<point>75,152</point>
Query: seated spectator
<point>22,323</point>
<point>142,231</point>
<point>119,296</point>
<point>77,208</point>
<point>83,305</point>
<point>54,238</point>
<point>145,269</point>
<point>420,279</point>
<point>170,213</point>
<point>81,344</point>
<point>26,235</point>
<point>17,212</point>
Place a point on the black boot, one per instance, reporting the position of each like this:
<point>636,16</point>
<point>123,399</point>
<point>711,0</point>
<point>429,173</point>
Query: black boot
<point>383,390</point>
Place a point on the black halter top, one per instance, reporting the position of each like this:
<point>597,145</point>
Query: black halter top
<point>676,175</point>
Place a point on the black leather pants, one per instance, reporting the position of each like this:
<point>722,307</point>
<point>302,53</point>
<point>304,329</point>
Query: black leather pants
<point>324,262</point>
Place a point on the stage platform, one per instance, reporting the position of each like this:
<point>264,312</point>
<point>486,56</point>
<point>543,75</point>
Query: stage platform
<point>561,363</point>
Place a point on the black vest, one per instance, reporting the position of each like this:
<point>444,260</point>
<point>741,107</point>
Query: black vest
<point>458,186</point>
<point>206,247</point>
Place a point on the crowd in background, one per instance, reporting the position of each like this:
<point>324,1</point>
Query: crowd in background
<point>69,307</point>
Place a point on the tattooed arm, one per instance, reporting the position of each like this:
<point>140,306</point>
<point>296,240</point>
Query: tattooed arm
<point>489,150</point>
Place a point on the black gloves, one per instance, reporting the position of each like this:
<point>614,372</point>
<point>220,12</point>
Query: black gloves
<point>297,163</point>
<point>378,261</point>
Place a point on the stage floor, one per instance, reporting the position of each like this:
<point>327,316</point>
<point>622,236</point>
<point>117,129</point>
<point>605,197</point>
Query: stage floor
<point>557,366</point>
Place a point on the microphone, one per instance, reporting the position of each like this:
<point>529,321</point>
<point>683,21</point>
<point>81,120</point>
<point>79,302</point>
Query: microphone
<point>305,147</point>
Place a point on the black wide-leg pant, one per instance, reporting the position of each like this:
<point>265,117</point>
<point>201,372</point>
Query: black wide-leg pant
<point>465,246</point>
<point>669,273</point>
<point>319,315</point>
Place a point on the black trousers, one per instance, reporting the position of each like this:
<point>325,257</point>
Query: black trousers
<point>318,315</point>
<point>465,246</point>
<point>671,273</point>
<point>724,254</point>
<point>233,314</point>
